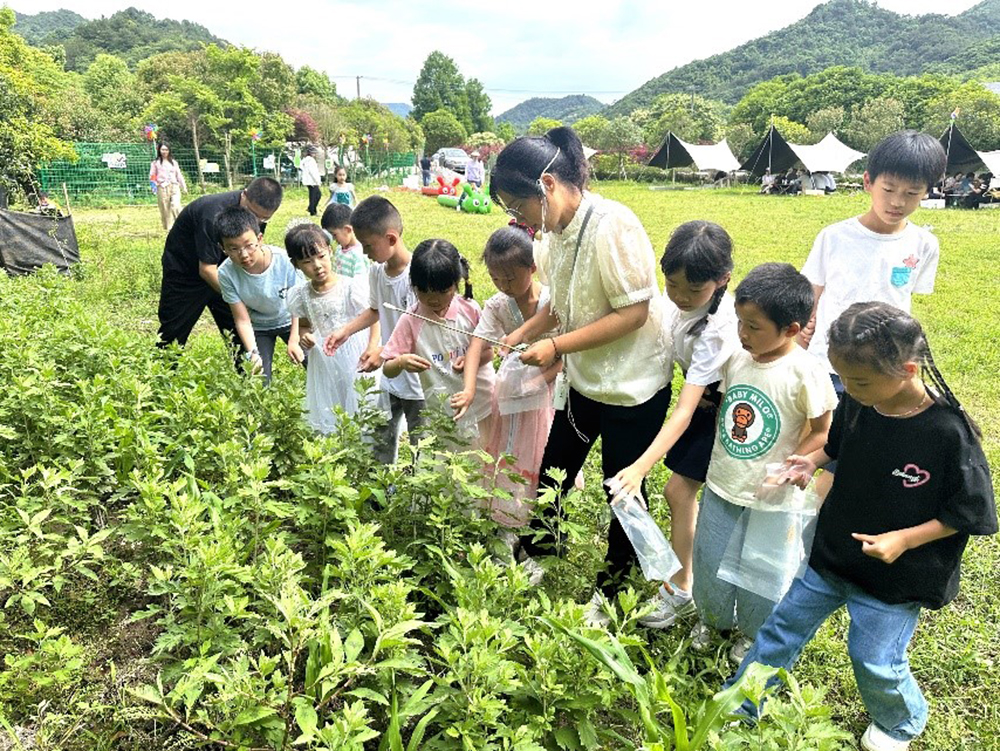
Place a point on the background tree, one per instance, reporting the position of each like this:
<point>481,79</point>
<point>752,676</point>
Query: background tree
<point>621,136</point>
<point>506,131</point>
<point>792,131</point>
<point>479,107</point>
<point>314,84</point>
<point>741,139</point>
<point>441,86</point>
<point>541,125</point>
<point>979,118</point>
<point>872,121</point>
<point>826,120</point>
<point>691,118</point>
<point>25,138</point>
<point>114,92</point>
<point>442,128</point>
<point>591,129</point>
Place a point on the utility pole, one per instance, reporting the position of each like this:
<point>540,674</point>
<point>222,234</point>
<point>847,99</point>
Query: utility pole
<point>358,80</point>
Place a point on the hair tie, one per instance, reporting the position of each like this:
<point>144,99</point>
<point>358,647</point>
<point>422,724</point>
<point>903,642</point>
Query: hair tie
<point>518,225</point>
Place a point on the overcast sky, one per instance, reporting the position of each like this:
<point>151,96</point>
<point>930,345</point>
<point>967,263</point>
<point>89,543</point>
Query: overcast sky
<point>519,49</point>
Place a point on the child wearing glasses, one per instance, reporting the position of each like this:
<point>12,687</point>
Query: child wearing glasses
<point>254,279</point>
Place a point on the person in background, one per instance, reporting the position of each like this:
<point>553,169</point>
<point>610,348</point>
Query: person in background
<point>342,191</point>
<point>311,178</point>
<point>168,184</point>
<point>425,169</point>
<point>474,171</point>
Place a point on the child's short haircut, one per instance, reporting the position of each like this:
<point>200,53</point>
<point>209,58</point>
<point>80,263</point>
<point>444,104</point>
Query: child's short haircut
<point>910,155</point>
<point>376,215</point>
<point>235,221</point>
<point>305,241</point>
<point>785,295</point>
<point>509,246</point>
<point>335,216</point>
<point>264,192</point>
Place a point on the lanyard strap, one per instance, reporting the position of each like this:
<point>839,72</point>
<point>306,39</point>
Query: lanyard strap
<point>576,254</point>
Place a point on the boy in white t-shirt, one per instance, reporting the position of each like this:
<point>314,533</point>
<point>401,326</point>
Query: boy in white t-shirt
<point>880,255</point>
<point>777,400</point>
<point>379,228</point>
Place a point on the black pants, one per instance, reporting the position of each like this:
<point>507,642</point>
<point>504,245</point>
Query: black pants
<point>266,341</point>
<point>626,432</point>
<point>182,301</point>
<point>314,195</point>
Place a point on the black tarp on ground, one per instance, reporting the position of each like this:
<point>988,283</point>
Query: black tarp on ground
<point>961,156</point>
<point>28,241</point>
<point>772,153</point>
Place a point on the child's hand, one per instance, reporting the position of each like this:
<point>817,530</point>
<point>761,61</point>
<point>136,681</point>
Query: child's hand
<point>541,354</point>
<point>461,402</point>
<point>626,484</point>
<point>887,547</point>
<point>512,340</point>
<point>307,340</point>
<point>370,360</point>
<point>458,364</point>
<point>254,362</point>
<point>800,471</point>
<point>334,341</point>
<point>295,353</point>
<point>414,363</point>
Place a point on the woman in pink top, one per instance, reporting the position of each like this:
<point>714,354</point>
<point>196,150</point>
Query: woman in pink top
<point>168,182</point>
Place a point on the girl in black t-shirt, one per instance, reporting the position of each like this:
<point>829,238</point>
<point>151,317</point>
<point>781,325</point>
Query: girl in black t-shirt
<point>912,484</point>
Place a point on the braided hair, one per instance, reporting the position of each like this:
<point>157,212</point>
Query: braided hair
<point>704,252</point>
<point>884,338</point>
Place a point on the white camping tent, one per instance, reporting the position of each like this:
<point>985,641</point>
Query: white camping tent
<point>677,153</point>
<point>829,155</point>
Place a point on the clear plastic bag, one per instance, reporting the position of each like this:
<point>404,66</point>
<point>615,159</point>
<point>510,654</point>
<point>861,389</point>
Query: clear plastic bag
<point>768,550</point>
<point>520,387</point>
<point>786,496</point>
<point>655,554</point>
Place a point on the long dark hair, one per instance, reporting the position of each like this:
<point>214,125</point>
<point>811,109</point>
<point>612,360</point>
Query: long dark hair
<point>520,166</point>
<point>170,153</point>
<point>704,252</point>
<point>884,338</point>
<point>437,266</point>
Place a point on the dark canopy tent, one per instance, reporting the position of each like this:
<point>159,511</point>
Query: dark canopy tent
<point>961,156</point>
<point>677,153</point>
<point>773,153</point>
<point>30,240</point>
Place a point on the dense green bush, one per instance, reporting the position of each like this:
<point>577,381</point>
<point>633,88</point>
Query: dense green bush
<point>182,564</point>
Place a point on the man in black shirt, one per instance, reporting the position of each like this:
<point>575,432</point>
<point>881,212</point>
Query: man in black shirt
<point>191,258</point>
<point>425,169</point>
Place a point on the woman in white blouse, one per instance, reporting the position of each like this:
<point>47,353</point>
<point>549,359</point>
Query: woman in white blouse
<point>605,300</point>
<point>168,183</point>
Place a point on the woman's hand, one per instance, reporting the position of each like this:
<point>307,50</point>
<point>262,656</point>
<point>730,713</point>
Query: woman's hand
<point>461,402</point>
<point>541,354</point>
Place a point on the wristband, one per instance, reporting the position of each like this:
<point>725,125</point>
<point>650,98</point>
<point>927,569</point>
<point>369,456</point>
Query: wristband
<point>555,348</point>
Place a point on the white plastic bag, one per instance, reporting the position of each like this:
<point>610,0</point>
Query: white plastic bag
<point>768,550</point>
<point>655,554</point>
<point>520,387</point>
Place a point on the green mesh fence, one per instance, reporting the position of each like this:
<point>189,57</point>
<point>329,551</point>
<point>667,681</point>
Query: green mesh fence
<point>119,172</point>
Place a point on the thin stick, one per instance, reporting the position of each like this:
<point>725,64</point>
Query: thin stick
<point>456,329</point>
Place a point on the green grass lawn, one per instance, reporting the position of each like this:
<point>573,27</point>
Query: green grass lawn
<point>956,652</point>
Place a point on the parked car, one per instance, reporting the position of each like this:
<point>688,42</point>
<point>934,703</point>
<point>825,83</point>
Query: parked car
<point>453,159</point>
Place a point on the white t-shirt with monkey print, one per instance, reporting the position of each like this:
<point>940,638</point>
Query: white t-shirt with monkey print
<point>765,413</point>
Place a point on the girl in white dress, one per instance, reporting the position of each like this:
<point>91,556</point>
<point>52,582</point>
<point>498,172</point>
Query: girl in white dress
<point>327,302</point>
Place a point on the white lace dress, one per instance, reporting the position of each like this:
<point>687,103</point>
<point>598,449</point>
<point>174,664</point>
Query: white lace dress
<point>330,379</point>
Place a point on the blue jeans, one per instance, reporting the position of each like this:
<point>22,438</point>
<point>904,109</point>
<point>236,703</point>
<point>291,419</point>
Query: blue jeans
<point>877,640</point>
<point>722,605</point>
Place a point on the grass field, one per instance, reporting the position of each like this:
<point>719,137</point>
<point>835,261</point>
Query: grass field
<point>956,652</point>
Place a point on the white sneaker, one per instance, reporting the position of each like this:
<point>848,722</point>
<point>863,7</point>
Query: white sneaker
<point>701,637</point>
<point>876,739</point>
<point>533,569</point>
<point>596,615</point>
<point>667,608</point>
<point>740,649</point>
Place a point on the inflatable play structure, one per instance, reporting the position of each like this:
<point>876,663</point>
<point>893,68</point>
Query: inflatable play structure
<point>442,188</point>
<point>471,201</point>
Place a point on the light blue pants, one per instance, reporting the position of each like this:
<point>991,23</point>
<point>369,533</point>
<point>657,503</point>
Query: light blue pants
<point>877,641</point>
<point>722,605</point>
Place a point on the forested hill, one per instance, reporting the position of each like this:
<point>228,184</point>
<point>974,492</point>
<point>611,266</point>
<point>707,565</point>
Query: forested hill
<point>840,32</point>
<point>131,34</point>
<point>35,28</point>
<point>568,110</point>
